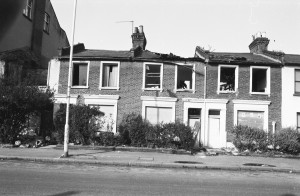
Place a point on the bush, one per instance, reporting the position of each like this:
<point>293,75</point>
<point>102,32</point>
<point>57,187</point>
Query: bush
<point>248,138</point>
<point>105,139</point>
<point>83,124</point>
<point>18,102</point>
<point>138,132</point>
<point>288,141</point>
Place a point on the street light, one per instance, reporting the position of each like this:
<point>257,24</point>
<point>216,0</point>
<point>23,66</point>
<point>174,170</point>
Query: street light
<point>66,138</point>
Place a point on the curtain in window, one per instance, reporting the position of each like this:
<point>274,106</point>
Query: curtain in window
<point>110,76</point>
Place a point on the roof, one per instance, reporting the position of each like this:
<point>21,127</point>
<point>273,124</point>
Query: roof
<point>292,59</point>
<point>240,58</point>
<point>123,54</point>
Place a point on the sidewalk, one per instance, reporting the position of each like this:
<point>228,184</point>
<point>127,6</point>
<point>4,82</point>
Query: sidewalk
<point>153,159</point>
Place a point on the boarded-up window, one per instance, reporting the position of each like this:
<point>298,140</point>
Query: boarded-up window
<point>253,119</point>
<point>157,115</point>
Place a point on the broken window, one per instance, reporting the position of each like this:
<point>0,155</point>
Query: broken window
<point>228,78</point>
<point>28,9</point>
<point>80,74</point>
<point>260,80</point>
<point>297,81</point>
<point>110,75</point>
<point>153,76</point>
<point>46,22</point>
<point>185,77</point>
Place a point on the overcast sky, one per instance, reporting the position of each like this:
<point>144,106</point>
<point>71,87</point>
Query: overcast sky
<point>178,26</point>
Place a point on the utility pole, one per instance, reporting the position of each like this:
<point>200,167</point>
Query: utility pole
<point>66,138</point>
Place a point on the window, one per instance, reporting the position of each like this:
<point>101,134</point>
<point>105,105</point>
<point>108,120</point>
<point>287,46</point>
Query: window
<point>80,74</point>
<point>156,115</point>
<point>153,73</point>
<point>109,72</point>
<point>298,121</point>
<point>297,81</point>
<point>46,22</point>
<point>107,120</point>
<point>194,119</point>
<point>158,109</point>
<point>28,9</point>
<point>260,80</point>
<point>253,119</point>
<point>228,78</point>
<point>185,78</point>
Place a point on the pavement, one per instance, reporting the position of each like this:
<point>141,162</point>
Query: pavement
<point>153,159</point>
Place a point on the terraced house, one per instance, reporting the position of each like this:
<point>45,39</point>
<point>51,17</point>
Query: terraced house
<point>212,91</point>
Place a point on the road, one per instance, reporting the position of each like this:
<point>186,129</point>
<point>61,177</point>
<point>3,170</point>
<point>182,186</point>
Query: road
<point>29,178</point>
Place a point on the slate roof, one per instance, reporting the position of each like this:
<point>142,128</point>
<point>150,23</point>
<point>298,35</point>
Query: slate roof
<point>292,59</point>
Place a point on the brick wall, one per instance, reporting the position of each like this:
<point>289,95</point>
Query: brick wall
<point>243,93</point>
<point>131,80</point>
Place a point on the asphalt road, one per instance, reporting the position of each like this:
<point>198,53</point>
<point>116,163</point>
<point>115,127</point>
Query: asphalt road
<point>25,178</point>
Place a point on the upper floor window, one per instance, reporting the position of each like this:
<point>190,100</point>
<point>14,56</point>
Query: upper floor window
<point>46,22</point>
<point>28,9</point>
<point>80,74</point>
<point>228,78</point>
<point>259,80</point>
<point>109,75</point>
<point>185,78</point>
<point>297,81</point>
<point>153,76</point>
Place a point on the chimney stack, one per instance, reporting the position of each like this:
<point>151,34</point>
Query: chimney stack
<point>259,44</point>
<point>138,38</point>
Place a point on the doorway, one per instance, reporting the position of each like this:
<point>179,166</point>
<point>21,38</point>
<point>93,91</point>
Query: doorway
<point>214,129</point>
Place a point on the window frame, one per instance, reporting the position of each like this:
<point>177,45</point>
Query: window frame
<point>161,76</point>
<point>101,87</point>
<point>28,13</point>
<point>296,81</point>
<point>88,70</point>
<point>268,88</point>
<point>298,122</point>
<point>46,25</point>
<point>193,78</point>
<point>236,79</point>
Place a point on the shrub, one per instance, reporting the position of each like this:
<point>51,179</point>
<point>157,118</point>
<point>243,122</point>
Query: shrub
<point>248,138</point>
<point>288,140</point>
<point>83,124</point>
<point>138,132</point>
<point>18,102</point>
<point>105,139</point>
<point>133,130</point>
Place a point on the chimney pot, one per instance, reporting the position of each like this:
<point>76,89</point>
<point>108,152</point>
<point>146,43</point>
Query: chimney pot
<point>141,29</point>
<point>136,30</point>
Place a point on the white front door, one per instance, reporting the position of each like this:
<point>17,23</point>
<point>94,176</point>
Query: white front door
<point>214,129</point>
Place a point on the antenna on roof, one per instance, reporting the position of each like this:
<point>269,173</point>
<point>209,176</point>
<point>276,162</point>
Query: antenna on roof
<point>132,23</point>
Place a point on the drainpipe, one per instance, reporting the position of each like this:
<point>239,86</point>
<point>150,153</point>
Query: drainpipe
<point>204,97</point>
<point>273,132</point>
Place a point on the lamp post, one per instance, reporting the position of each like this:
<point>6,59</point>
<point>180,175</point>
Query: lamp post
<point>66,138</point>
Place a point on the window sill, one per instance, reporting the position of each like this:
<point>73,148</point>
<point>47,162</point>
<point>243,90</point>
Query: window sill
<point>184,90</point>
<point>258,93</point>
<point>297,94</point>
<point>226,92</point>
<point>28,18</point>
<point>152,89</point>
<point>78,87</point>
<point>109,88</point>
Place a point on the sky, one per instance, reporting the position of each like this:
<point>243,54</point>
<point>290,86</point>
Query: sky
<point>178,26</point>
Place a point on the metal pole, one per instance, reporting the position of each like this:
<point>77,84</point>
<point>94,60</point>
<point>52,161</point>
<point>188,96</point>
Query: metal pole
<point>66,138</point>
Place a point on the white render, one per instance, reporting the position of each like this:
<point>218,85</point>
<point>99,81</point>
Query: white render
<point>290,103</point>
<point>53,75</point>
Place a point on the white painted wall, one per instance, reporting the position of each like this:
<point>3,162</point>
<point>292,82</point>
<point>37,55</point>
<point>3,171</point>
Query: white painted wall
<point>53,75</point>
<point>290,103</point>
